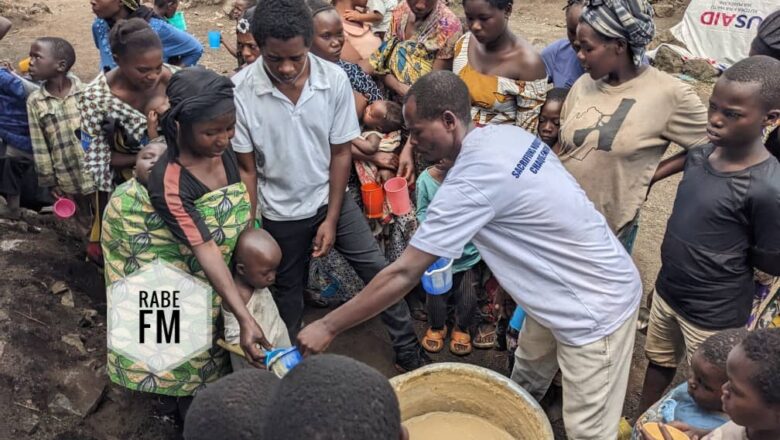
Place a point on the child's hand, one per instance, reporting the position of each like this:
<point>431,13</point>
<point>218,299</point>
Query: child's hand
<point>250,337</point>
<point>385,161</point>
<point>352,15</point>
<point>56,192</point>
<point>153,124</point>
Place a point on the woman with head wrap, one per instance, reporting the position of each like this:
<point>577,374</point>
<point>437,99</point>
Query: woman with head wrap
<point>191,216</point>
<point>179,47</point>
<point>619,120</point>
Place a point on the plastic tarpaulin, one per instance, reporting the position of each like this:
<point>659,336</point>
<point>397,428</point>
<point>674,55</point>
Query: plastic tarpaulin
<point>722,29</point>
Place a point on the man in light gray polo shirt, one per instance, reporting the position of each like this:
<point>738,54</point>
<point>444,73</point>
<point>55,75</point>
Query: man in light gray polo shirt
<point>295,120</point>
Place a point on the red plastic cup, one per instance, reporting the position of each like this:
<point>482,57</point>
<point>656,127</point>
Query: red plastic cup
<point>64,208</point>
<point>397,191</point>
<point>373,199</point>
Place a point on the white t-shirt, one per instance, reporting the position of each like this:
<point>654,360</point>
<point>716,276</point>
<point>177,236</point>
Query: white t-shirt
<point>537,231</point>
<point>292,143</point>
<point>384,7</point>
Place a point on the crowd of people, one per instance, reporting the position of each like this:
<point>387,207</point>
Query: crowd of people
<point>528,169</point>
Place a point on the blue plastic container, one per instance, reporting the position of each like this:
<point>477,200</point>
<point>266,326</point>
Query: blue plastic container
<point>437,280</point>
<point>517,319</point>
<point>282,360</point>
<point>215,39</point>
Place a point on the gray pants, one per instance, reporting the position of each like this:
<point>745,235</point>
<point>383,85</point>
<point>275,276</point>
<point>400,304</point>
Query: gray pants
<point>356,243</point>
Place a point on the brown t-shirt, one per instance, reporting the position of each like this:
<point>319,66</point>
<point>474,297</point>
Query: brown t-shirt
<point>613,137</point>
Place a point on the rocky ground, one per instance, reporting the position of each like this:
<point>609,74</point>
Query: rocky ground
<point>52,304</point>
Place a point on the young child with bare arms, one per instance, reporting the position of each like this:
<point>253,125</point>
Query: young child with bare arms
<point>256,258</point>
<point>382,122</point>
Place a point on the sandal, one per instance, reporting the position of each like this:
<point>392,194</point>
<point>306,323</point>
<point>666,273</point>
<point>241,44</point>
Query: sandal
<point>433,341</point>
<point>460,343</point>
<point>486,337</point>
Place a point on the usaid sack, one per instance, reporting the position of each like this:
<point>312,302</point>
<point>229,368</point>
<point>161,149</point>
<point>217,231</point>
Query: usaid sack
<point>722,29</point>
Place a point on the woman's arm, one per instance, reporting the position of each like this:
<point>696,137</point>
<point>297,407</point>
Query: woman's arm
<point>395,85</point>
<point>363,17</point>
<point>122,160</point>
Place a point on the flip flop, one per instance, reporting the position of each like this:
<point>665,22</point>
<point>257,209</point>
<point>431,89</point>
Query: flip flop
<point>460,343</point>
<point>486,337</point>
<point>433,341</point>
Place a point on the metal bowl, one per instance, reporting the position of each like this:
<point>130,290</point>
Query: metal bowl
<point>472,390</point>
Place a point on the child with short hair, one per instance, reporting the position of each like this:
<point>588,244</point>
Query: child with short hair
<point>55,119</point>
<point>334,397</point>
<point>463,296</point>
<point>240,7</point>
<point>382,123</point>
<point>725,222</point>
<point>147,157</point>
<point>549,124</point>
<point>232,408</point>
<point>751,397</point>
<point>256,258</point>
<point>695,406</point>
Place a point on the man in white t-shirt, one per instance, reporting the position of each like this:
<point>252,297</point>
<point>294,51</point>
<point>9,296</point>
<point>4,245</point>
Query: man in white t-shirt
<point>295,120</point>
<point>542,238</point>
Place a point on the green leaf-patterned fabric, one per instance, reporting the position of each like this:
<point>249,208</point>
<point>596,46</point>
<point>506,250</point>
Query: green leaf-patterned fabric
<point>133,236</point>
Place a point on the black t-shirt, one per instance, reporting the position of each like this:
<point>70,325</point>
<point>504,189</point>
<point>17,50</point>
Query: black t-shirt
<point>721,224</point>
<point>174,190</point>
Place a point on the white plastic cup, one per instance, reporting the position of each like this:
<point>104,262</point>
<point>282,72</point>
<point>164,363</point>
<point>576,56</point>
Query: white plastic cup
<point>437,280</point>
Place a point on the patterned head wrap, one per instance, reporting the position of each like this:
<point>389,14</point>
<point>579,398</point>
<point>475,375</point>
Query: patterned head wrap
<point>630,20</point>
<point>767,42</point>
<point>195,94</point>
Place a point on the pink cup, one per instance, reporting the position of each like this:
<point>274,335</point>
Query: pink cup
<point>397,192</point>
<point>64,208</point>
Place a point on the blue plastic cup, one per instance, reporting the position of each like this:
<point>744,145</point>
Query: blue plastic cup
<point>215,39</point>
<point>517,318</point>
<point>437,280</point>
<point>282,360</point>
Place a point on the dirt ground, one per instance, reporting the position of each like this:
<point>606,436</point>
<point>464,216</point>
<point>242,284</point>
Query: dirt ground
<point>53,348</point>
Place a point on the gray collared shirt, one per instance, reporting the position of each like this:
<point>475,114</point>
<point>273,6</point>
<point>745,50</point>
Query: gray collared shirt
<point>292,142</point>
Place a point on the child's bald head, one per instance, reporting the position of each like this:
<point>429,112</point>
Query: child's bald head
<point>257,257</point>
